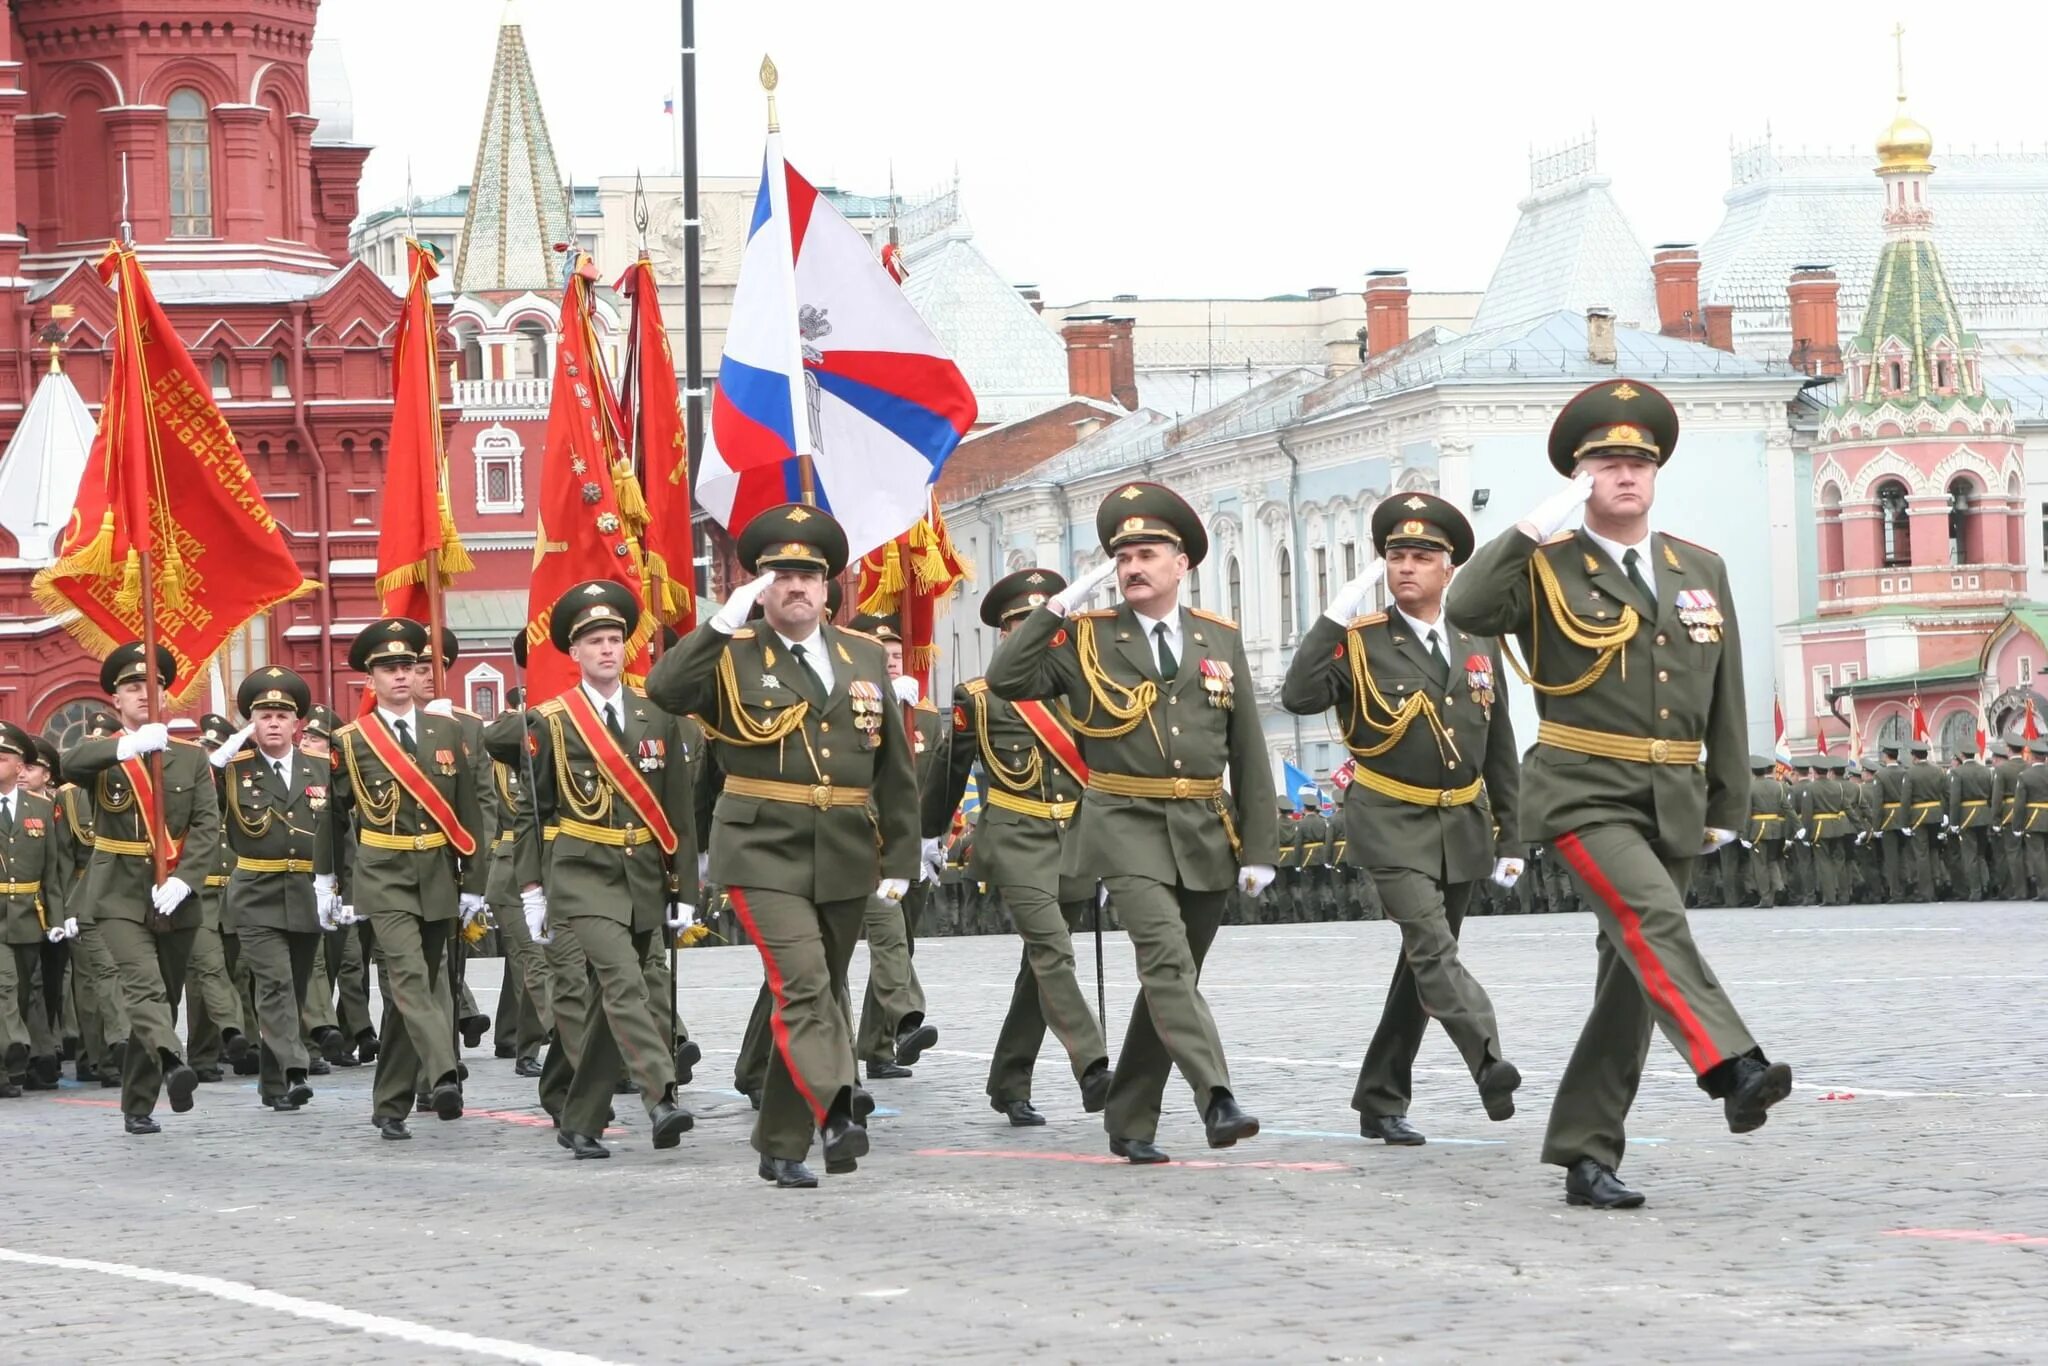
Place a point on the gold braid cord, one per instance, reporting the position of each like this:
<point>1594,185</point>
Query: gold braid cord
<point>1608,640</point>
<point>255,830</point>
<point>749,733</point>
<point>373,812</point>
<point>1399,719</point>
<point>592,811</point>
<point>1029,777</point>
<point>1126,706</point>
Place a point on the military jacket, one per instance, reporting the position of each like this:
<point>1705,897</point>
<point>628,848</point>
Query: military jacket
<point>1768,814</point>
<point>1029,798</point>
<point>1823,810</point>
<point>2005,781</point>
<point>74,833</point>
<point>1971,793</point>
<point>1926,795</point>
<point>1674,674</point>
<point>1415,737</point>
<point>274,831</point>
<point>1185,734</point>
<point>35,871</point>
<point>399,859</point>
<point>121,874</point>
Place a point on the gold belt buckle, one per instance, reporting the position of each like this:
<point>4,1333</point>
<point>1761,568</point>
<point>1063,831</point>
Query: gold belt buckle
<point>821,796</point>
<point>419,843</point>
<point>1180,787</point>
<point>1659,751</point>
<point>1443,796</point>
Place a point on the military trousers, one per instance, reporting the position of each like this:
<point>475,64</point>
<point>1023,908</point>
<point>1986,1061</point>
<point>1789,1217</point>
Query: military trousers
<point>281,967</point>
<point>2012,866</point>
<point>750,1069</point>
<point>2036,853</point>
<point>23,1021</point>
<point>1171,929</point>
<point>1763,858</point>
<point>894,1001</point>
<point>1975,847</point>
<point>1047,992</point>
<point>1920,844</point>
<point>526,964</point>
<point>418,1028</point>
<point>102,1010</point>
<point>151,968</point>
<point>620,1038</point>
<point>805,949</point>
<point>1650,974</point>
<point>1831,867</point>
<point>215,1009</point>
<point>240,978</point>
<point>572,999</point>
<point>1430,982</point>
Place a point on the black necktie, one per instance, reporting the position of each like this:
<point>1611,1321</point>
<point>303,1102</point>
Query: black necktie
<point>1168,665</point>
<point>1436,657</point>
<point>803,658</point>
<point>1630,566</point>
<point>611,723</point>
<point>284,784</point>
<point>405,739</point>
<point>7,815</point>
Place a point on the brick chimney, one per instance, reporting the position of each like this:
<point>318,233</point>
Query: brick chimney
<point>1123,362</point>
<point>1721,326</point>
<point>1386,310</point>
<point>1676,270</point>
<point>1090,363</point>
<point>1600,336</point>
<point>1816,320</point>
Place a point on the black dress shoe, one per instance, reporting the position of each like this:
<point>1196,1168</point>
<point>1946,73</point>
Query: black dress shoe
<point>526,1067</point>
<point>474,1027</point>
<point>110,1077</point>
<point>141,1124</point>
<point>1586,1182</point>
<point>16,1058</point>
<point>505,1049</point>
<point>34,1082</point>
<point>46,1070</point>
<point>1095,1084</point>
<point>234,1045</point>
<point>85,1071</point>
<point>317,1066</point>
<point>863,1104</point>
<point>1225,1123</point>
<point>911,1043</point>
<point>1393,1130</point>
<point>247,1066</point>
<point>334,1046</point>
<point>284,1105</point>
<point>582,1146</point>
<point>299,1093</point>
<point>1022,1114</point>
<point>671,1122</point>
<point>393,1129</point>
<point>180,1082</point>
<point>845,1139</point>
<point>447,1100</point>
<point>1758,1086</point>
<point>348,1059</point>
<point>787,1173</point>
<point>423,1105</point>
<point>366,1046</point>
<point>885,1071</point>
<point>1139,1152</point>
<point>208,1074</point>
<point>1497,1083</point>
<point>9,1091</point>
<point>625,1088</point>
<point>461,1070</point>
<point>688,1055</point>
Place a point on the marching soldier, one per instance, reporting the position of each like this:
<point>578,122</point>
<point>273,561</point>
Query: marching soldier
<point>148,927</point>
<point>2030,817</point>
<point>340,966</point>
<point>1972,790</point>
<point>213,1015</point>
<point>1034,775</point>
<point>1892,823</point>
<point>1825,824</point>
<point>1428,734</point>
<point>275,816</point>
<point>1162,832</point>
<point>819,811</point>
<point>95,990</point>
<point>34,884</point>
<point>1766,835</point>
<point>401,779</point>
<point>461,1005</point>
<point>611,776</point>
<point>1800,855</point>
<point>525,960</point>
<point>2005,840</point>
<point>1637,670</point>
<point>1926,795</point>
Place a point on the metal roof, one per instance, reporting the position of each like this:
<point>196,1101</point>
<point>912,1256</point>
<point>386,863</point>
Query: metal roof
<point>1572,249</point>
<point>1014,364</point>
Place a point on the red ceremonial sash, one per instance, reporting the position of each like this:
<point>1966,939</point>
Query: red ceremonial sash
<point>618,770</point>
<point>153,832</point>
<point>385,746</point>
<point>1053,736</point>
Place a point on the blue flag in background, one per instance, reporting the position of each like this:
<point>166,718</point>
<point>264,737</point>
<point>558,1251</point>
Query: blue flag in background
<point>1296,781</point>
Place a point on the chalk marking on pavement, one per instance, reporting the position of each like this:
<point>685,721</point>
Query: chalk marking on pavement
<point>236,1209</point>
<point>1969,1235</point>
<point>378,1324</point>
<point>1361,1138</point>
<point>1109,1160</point>
<point>79,1100</point>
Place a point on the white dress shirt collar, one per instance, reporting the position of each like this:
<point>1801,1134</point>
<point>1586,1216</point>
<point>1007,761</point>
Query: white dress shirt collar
<point>815,654</point>
<point>1150,626</point>
<point>1618,551</point>
<point>1424,630</point>
<point>411,717</point>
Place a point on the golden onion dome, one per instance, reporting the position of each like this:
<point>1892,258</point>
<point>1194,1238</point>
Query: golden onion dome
<point>1906,144</point>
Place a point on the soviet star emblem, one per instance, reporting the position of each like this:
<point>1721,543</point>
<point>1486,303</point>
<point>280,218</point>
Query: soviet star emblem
<point>1623,391</point>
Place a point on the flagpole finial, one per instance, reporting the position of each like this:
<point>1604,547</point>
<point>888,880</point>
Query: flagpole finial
<point>769,79</point>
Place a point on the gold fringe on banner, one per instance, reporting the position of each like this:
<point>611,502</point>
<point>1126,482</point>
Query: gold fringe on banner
<point>454,555</point>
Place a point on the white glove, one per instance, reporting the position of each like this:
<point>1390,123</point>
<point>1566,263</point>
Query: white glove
<point>1747,845</point>
<point>733,615</point>
<point>1081,589</point>
<point>1507,871</point>
<point>1553,512</point>
<point>1715,838</point>
<point>473,908</point>
<point>440,706</point>
<point>68,930</point>
<point>1800,833</point>
<point>933,852</point>
<point>679,915</point>
<point>703,868</point>
<point>231,746</point>
<point>323,885</point>
<point>533,904</point>
<point>1255,878</point>
<point>1344,606</point>
<point>345,915</point>
<point>892,889</point>
<point>170,895</point>
<point>906,690</point>
<point>147,738</point>
<point>1101,895</point>
<point>70,927</point>
<point>326,908</point>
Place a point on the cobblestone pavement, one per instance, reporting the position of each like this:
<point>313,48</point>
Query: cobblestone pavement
<point>1896,1207</point>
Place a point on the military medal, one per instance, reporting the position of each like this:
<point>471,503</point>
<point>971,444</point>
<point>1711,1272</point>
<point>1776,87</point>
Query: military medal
<point>1700,614</point>
<point>33,826</point>
<point>866,700</point>
<point>652,754</point>
<point>1217,684</point>
<point>446,759</point>
<point>1479,677</point>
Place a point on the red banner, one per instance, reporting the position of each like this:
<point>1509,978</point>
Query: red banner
<point>165,476</point>
<point>651,412</point>
<point>416,519</point>
<point>618,770</point>
<point>913,577</point>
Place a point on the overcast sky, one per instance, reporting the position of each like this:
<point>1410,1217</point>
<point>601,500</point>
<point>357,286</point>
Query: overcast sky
<point>1140,146</point>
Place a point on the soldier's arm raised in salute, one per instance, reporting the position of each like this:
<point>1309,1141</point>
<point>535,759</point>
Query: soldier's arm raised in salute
<point>1037,659</point>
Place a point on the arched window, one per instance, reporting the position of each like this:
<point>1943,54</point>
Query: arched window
<point>1943,373</point>
<point>1830,531</point>
<point>1286,595</point>
<point>1958,733</point>
<point>1195,589</point>
<point>71,722</point>
<point>280,378</point>
<point>1895,375</point>
<point>472,356</point>
<point>1234,580</point>
<point>191,165</point>
<point>1895,526</point>
<point>1892,734</point>
<point>1962,546</point>
<point>531,353</point>
<point>217,376</point>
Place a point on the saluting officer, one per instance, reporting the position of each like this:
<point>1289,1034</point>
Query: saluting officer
<point>415,868</point>
<point>1034,773</point>
<point>34,884</point>
<point>1637,669</point>
<point>1161,831</point>
<point>1419,703</point>
<point>819,811</point>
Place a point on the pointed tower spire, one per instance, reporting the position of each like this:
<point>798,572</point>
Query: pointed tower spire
<point>517,207</point>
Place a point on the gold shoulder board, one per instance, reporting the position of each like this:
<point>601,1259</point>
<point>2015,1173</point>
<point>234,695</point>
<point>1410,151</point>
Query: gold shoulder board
<point>743,633</point>
<point>1371,619</point>
<point>975,687</point>
<point>1099,614</point>
<point>1211,616</point>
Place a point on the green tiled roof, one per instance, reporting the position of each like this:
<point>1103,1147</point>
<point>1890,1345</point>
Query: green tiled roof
<point>1951,672</point>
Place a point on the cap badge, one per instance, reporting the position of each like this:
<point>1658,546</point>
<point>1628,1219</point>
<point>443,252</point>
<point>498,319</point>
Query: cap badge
<point>593,590</point>
<point>1133,524</point>
<point>1624,392</point>
<point>798,515</point>
<point>1133,491</point>
<point>1416,502</point>
<point>1623,432</point>
<point>1412,528</point>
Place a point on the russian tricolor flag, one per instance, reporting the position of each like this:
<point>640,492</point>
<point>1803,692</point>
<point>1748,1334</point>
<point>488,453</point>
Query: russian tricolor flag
<point>825,357</point>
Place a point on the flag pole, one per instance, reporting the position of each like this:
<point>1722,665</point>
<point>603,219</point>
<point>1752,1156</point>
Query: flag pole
<point>693,296</point>
<point>807,475</point>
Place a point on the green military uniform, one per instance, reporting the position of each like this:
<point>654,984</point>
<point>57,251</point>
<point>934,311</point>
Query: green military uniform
<point>1637,668</point>
<point>1823,815</point>
<point>1892,824</point>
<point>2030,818</point>
<point>214,1015</point>
<point>1159,731</point>
<point>1765,834</point>
<point>612,842</point>
<point>406,870</point>
<point>2007,853</point>
<point>35,881</point>
<point>339,968</point>
<point>1926,796</point>
<point>1428,734</point>
<point>819,805</point>
<point>526,961</point>
<point>95,985</point>
<point>149,950</point>
<point>1030,801</point>
<point>1971,810</point>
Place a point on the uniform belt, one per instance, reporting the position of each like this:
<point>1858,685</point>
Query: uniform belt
<point>216,880</point>
<point>821,795</point>
<point>1919,805</point>
<point>1413,795</point>
<point>377,839</point>
<point>128,848</point>
<point>1891,806</point>
<point>1630,749</point>
<point>21,888</point>
<point>1978,801</point>
<point>1031,806</point>
<point>1765,816</point>
<point>504,838</point>
<point>272,865</point>
<point>604,834</point>
<point>1172,789</point>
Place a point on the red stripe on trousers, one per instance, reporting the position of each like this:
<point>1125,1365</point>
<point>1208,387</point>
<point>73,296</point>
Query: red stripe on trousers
<point>1705,1055</point>
<point>781,1030</point>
